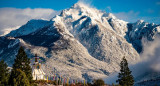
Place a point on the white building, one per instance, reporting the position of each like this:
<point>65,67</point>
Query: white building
<point>37,72</point>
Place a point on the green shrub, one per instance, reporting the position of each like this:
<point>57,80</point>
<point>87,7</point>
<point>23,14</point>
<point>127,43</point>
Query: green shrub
<point>98,82</point>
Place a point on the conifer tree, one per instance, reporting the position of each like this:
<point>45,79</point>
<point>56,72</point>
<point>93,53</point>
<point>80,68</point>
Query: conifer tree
<point>125,78</point>
<point>4,73</point>
<point>22,62</point>
<point>19,78</point>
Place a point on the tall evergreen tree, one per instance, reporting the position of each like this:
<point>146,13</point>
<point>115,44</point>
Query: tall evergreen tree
<point>4,73</point>
<point>22,62</point>
<point>125,77</point>
<point>19,78</point>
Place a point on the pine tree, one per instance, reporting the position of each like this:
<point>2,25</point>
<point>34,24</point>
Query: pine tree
<point>19,78</point>
<point>22,62</point>
<point>125,78</point>
<point>4,73</point>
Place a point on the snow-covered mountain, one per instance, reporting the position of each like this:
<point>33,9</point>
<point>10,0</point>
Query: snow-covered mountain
<point>81,43</point>
<point>139,30</point>
<point>28,28</point>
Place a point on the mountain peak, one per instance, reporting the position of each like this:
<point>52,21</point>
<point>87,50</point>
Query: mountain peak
<point>110,15</point>
<point>140,21</point>
<point>81,9</point>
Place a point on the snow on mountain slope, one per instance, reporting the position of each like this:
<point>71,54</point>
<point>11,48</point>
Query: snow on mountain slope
<point>66,54</point>
<point>119,26</point>
<point>30,27</point>
<point>81,42</point>
<point>75,62</point>
<point>80,38</point>
<point>91,27</point>
<point>139,30</point>
<point>9,47</point>
<point>79,9</point>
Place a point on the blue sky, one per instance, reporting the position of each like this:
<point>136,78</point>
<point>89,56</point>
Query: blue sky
<point>143,8</point>
<point>13,11</point>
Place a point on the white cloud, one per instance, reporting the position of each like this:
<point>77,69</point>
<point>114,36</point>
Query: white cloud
<point>151,53</point>
<point>130,16</point>
<point>7,30</point>
<point>150,58</point>
<point>86,2</point>
<point>13,17</point>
